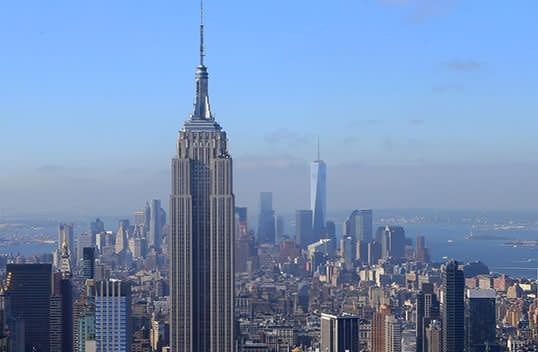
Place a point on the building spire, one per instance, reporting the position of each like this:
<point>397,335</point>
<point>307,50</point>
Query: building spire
<point>318,150</point>
<point>202,110</point>
<point>202,49</point>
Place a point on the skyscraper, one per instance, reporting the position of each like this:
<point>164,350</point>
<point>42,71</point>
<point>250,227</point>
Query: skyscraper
<point>28,291</point>
<point>452,308</point>
<point>97,226</point>
<point>266,219</point>
<point>66,234</point>
<point>481,322</point>
<point>303,228</point>
<point>202,231</point>
<point>155,224</point>
<point>87,269</point>
<point>377,335</point>
<point>121,236</point>
<point>318,195</point>
<point>393,334</point>
<point>339,333</point>
<point>427,310</point>
<point>359,225</point>
<point>113,331</point>
<point>432,337</point>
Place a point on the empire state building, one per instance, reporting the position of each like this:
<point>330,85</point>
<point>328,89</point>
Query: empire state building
<point>202,231</point>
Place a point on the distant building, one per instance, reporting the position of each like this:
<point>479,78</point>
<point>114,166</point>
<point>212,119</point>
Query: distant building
<point>374,252</point>
<point>318,195</point>
<point>452,308</point>
<point>347,248</point>
<point>421,252</point>
<point>266,220</point>
<point>303,228</point>
<point>97,226</point>
<point>87,269</point>
<point>28,292</point>
<point>66,234</point>
<point>280,228</point>
<point>359,225</point>
<point>122,236</point>
<point>241,221</point>
<point>481,322</point>
<point>155,224</point>
<point>339,333</point>
<point>392,241</point>
<point>84,240</point>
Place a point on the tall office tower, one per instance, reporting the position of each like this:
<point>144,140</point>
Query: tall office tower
<point>245,252</point>
<point>147,216</point>
<point>280,224</point>
<point>339,333</point>
<point>113,331</point>
<point>87,264</point>
<point>202,231</point>
<point>155,224</point>
<point>28,291</point>
<point>432,337</point>
<point>452,308</point>
<point>266,219</point>
<point>303,228</point>
<point>377,334</point>
<point>139,217</point>
<point>421,252</point>
<point>359,225</point>
<point>481,322</point>
<point>97,226</point>
<point>66,234</point>
<point>318,195</point>
<point>427,310</point>
<point>241,221</point>
<point>393,334</point>
<point>347,251</point>
<point>374,252</point>
<point>330,229</point>
<point>122,236</point>
<point>392,242</point>
<point>61,307</point>
<point>361,252</point>
<point>84,240</point>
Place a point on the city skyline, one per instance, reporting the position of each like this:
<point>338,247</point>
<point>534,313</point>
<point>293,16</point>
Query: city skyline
<point>442,130</point>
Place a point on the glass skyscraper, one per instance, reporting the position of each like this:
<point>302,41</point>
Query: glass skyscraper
<point>318,195</point>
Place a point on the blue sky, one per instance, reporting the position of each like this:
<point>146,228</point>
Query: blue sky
<point>93,94</point>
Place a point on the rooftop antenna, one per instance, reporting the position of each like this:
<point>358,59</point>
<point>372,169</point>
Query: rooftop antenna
<point>202,51</point>
<point>318,150</point>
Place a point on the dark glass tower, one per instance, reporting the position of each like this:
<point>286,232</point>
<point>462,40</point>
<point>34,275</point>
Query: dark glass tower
<point>202,231</point>
<point>453,308</point>
<point>303,228</point>
<point>88,263</point>
<point>339,333</point>
<point>28,292</point>
<point>427,310</point>
<point>481,323</point>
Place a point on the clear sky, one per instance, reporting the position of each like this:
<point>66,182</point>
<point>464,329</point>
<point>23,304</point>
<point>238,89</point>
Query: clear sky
<point>418,103</point>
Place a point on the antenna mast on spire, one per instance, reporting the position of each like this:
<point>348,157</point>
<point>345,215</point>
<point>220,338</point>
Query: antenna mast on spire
<point>318,150</point>
<point>202,51</point>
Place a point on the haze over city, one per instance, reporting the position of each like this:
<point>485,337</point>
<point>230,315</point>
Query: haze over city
<point>417,104</point>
